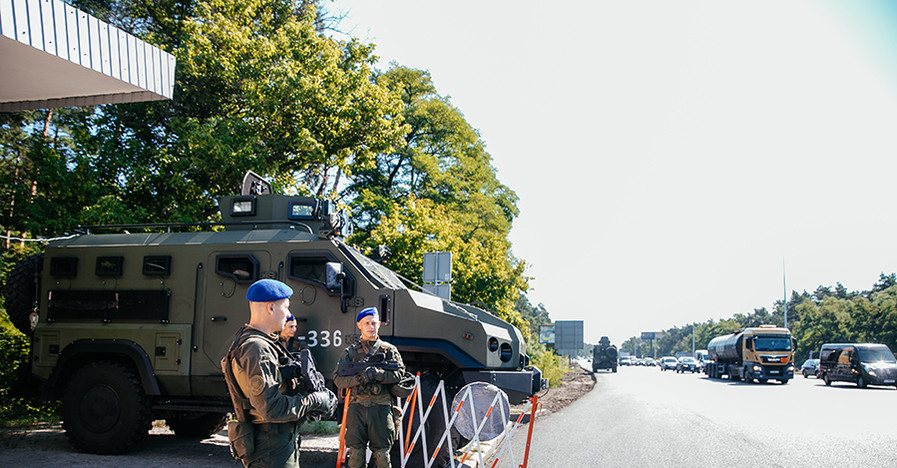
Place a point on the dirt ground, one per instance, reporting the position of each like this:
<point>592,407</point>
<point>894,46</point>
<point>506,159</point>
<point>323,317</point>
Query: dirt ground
<point>47,445</point>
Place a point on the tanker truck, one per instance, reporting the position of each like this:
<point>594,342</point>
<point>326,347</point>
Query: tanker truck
<point>604,355</point>
<point>762,353</point>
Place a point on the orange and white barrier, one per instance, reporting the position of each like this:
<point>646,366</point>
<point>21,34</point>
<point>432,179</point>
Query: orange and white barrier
<point>478,429</point>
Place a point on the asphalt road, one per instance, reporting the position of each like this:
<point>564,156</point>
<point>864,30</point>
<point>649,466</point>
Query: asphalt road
<point>641,416</point>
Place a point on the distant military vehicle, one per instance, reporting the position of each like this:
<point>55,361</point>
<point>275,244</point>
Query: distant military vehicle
<point>604,355</point>
<point>129,326</point>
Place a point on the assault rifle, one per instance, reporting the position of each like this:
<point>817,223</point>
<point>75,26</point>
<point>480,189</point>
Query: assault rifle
<point>347,368</point>
<point>302,373</point>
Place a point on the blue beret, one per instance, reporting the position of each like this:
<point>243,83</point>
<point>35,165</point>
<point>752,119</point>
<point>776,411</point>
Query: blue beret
<point>268,290</point>
<point>290,318</point>
<point>365,312</point>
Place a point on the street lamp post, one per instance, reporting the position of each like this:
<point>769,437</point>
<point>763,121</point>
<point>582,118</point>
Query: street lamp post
<point>692,339</point>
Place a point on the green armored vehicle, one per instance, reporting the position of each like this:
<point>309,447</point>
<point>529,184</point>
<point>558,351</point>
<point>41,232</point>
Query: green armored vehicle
<point>604,355</point>
<point>129,327</point>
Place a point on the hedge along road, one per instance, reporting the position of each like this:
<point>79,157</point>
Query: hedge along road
<point>640,416</point>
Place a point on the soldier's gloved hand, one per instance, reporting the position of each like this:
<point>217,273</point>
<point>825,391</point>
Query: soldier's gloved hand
<point>321,403</point>
<point>374,374</point>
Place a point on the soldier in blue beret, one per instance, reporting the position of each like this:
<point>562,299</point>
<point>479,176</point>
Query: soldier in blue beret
<point>370,420</point>
<point>268,411</point>
<point>288,336</point>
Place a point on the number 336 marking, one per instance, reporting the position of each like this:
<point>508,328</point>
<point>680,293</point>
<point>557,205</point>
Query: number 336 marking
<point>324,338</point>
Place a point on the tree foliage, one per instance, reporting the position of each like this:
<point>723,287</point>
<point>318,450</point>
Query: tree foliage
<point>258,86</point>
<point>439,192</point>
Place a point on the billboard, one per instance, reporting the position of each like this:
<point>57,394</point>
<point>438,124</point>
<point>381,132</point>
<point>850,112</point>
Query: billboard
<point>546,334</point>
<point>568,337</point>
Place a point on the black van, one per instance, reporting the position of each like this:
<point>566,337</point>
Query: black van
<point>862,363</point>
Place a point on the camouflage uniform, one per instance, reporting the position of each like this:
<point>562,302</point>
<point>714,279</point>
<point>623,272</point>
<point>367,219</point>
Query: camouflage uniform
<point>292,345</point>
<point>275,414</point>
<point>369,419</point>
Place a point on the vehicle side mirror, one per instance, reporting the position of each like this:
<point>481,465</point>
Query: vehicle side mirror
<point>749,343</point>
<point>334,275</point>
<point>336,281</point>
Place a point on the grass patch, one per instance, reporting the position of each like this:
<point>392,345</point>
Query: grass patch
<point>319,428</point>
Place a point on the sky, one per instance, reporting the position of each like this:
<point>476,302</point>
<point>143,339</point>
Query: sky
<point>675,162</point>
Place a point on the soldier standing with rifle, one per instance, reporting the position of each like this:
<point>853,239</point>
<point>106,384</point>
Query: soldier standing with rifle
<point>370,368</point>
<point>271,394</point>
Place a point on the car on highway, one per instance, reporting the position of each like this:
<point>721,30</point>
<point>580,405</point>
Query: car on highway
<point>627,361</point>
<point>650,362</point>
<point>687,364</point>
<point>668,363</point>
<point>810,367</point>
<point>861,363</point>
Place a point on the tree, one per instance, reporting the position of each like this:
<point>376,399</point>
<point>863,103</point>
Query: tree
<point>257,87</point>
<point>482,272</point>
<point>438,191</point>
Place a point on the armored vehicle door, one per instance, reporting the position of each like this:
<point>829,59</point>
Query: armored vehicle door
<point>325,313</point>
<point>221,304</point>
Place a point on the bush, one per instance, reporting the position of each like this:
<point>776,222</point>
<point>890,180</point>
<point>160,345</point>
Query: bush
<point>18,410</point>
<point>553,367</point>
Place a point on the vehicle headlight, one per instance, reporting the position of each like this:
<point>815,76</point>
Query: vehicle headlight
<point>756,368</point>
<point>869,369</point>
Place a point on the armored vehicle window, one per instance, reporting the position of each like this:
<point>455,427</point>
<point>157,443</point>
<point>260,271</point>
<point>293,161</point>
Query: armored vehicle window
<point>109,266</point>
<point>309,268</point>
<point>64,266</point>
<point>242,268</point>
<point>158,265</point>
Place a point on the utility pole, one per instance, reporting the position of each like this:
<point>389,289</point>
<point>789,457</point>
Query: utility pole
<point>692,339</point>
<point>785,292</point>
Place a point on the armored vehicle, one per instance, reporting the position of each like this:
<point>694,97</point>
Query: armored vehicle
<point>604,355</point>
<point>130,326</point>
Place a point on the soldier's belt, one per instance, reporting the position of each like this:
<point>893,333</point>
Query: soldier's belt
<point>276,427</point>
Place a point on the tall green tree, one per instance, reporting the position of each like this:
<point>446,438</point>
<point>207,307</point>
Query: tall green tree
<point>439,191</point>
<point>257,87</point>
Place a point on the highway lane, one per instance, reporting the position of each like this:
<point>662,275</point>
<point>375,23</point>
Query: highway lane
<point>641,416</point>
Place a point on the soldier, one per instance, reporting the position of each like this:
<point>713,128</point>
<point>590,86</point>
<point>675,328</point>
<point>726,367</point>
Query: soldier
<point>288,336</point>
<point>268,409</point>
<point>370,418</point>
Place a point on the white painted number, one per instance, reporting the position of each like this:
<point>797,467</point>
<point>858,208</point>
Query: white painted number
<point>326,338</point>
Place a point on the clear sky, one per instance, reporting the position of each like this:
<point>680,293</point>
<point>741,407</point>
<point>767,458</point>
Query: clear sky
<point>670,157</point>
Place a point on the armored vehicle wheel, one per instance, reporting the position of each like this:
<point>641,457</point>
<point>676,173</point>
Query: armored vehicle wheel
<point>195,425</point>
<point>104,410</point>
<point>784,381</point>
<point>861,383</point>
<point>763,381</point>
<point>827,380</point>
<point>21,292</point>
<point>614,369</point>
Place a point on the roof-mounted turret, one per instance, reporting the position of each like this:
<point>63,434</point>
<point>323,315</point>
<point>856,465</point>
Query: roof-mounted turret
<point>321,217</point>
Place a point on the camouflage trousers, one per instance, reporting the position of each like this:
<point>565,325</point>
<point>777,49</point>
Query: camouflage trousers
<point>275,449</point>
<point>369,425</point>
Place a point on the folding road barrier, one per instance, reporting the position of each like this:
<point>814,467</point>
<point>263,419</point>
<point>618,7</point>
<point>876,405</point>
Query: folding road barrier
<point>478,427</point>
